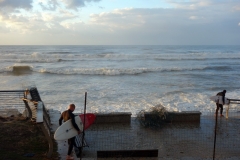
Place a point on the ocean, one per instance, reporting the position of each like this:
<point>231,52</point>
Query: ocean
<point>123,78</point>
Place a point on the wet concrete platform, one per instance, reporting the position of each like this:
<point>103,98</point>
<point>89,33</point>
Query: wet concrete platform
<point>180,141</point>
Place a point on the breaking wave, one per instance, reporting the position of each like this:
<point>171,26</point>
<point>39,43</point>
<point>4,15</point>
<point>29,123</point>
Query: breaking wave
<point>107,71</point>
<point>17,69</point>
<point>112,72</point>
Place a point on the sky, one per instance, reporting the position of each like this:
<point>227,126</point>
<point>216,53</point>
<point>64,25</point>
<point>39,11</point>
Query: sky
<point>119,22</point>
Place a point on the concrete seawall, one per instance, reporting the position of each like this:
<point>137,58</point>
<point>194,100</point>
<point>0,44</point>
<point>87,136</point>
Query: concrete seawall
<point>125,117</point>
<point>114,117</point>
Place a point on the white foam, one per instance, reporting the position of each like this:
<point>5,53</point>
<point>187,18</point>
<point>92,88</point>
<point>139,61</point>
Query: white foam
<point>169,70</point>
<point>111,71</point>
<point>53,57</point>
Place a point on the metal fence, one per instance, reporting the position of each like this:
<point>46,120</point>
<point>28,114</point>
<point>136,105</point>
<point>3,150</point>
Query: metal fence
<point>12,99</point>
<point>29,102</point>
<point>172,140</point>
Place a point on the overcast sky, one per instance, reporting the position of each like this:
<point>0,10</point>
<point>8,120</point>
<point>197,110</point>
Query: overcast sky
<point>119,22</point>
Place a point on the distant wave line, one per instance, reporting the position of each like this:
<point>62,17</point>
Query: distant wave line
<point>37,57</point>
<point>113,72</point>
<point>219,68</point>
<point>56,60</point>
<point>36,60</point>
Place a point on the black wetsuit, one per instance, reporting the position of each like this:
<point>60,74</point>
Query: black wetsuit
<point>66,115</point>
<point>220,105</point>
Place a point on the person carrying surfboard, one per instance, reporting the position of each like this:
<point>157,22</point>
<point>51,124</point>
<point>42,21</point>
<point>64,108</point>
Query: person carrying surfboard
<point>66,115</point>
<point>221,105</point>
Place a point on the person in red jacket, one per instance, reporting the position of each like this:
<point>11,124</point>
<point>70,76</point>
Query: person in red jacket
<point>221,105</point>
<point>66,115</point>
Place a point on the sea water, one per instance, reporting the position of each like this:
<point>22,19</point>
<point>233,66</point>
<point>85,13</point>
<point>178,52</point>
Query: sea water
<point>123,78</point>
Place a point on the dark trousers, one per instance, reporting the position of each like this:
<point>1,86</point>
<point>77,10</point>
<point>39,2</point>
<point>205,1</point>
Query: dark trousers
<point>71,143</point>
<point>219,106</point>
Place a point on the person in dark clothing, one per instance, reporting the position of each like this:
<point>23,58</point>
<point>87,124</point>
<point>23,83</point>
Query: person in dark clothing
<point>221,105</point>
<point>66,115</point>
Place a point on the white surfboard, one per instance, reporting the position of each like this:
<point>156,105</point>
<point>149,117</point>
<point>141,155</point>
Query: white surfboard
<point>218,99</point>
<point>66,130</point>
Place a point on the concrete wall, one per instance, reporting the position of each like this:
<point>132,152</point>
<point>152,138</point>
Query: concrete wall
<point>114,117</point>
<point>185,116</point>
<point>125,117</point>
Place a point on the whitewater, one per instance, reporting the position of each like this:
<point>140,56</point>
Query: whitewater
<point>123,78</point>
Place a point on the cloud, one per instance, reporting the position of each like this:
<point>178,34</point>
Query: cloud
<point>44,22</point>
<point>49,4</point>
<point>166,26</point>
<point>193,17</point>
<point>119,18</point>
<point>236,8</point>
<point>157,19</point>
<point>74,4</point>
<point>190,4</point>
<point>26,4</point>
<point>14,23</point>
<point>208,22</point>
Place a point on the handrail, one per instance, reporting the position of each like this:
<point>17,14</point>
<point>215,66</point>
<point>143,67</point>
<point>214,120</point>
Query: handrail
<point>236,101</point>
<point>12,90</point>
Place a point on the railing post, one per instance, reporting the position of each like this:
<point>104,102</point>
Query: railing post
<point>25,100</point>
<point>28,109</point>
<point>41,120</point>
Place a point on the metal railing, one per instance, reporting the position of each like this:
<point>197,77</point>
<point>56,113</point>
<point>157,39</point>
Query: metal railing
<point>41,117</point>
<point>234,101</point>
<point>30,101</point>
<point>11,99</point>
